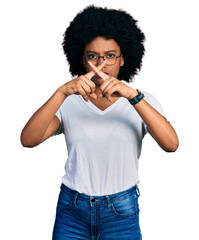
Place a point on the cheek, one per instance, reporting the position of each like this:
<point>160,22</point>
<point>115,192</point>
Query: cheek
<point>87,67</point>
<point>115,71</point>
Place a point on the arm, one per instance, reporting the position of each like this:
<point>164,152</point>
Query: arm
<point>43,123</point>
<point>158,126</point>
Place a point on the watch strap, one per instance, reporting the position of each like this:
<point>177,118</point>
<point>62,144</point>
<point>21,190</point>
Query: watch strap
<point>137,98</point>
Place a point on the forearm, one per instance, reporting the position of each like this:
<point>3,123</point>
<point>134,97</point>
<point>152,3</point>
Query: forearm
<point>158,126</point>
<point>40,120</point>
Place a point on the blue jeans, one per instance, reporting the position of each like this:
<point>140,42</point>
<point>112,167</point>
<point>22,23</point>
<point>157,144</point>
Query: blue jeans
<point>111,217</point>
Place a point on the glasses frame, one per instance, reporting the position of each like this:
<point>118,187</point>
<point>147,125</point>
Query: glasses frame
<point>98,58</point>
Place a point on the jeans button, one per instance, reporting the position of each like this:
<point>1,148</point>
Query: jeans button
<point>93,200</point>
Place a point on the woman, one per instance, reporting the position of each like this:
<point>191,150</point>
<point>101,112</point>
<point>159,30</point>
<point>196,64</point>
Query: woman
<point>104,121</point>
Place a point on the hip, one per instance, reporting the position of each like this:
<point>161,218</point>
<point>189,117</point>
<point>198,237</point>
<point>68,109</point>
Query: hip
<point>82,216</point>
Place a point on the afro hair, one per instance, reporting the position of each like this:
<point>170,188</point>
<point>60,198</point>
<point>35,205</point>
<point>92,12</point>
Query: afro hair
<point>110,24</point>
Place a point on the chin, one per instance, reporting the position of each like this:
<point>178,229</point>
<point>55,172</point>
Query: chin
<point>97,81</point>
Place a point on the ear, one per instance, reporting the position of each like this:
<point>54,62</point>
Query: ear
<point>121,61</point>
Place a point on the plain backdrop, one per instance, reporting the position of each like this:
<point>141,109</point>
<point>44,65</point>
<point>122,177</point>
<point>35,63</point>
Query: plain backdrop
<point>33,66</point>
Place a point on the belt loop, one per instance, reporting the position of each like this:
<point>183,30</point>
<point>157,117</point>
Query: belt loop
<point>75,198</point>
<point>137,190</point>
<point>109,201</point>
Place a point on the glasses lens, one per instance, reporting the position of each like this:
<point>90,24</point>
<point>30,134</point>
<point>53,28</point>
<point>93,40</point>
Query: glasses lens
<point>93,58</point>
<point>110,58</point>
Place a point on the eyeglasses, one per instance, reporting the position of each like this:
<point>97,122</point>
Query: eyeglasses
<point>110,58</point>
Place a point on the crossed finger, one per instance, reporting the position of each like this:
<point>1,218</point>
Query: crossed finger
<point>92,73</point>
<point>105,77</point>
<point>87,81</point>
<point>98,70</point>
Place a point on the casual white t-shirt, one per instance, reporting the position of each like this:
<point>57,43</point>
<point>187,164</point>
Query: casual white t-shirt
<point>103,146</point>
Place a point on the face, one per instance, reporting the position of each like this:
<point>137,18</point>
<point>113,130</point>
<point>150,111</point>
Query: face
<point>102,46</point>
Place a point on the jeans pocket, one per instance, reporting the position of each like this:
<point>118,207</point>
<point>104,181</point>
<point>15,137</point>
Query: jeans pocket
<point>126,206</point>
<point>65,200</point>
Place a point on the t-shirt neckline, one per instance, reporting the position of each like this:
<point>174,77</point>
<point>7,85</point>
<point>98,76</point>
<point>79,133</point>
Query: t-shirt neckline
<point>99,111</point>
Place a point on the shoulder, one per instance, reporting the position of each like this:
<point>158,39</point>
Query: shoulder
<point>154,102</point>
<point>149,97</point>
<point>70,99</point>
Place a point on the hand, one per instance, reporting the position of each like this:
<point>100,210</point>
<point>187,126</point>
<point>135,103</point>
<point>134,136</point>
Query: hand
<point>82,85</point>
<point>112,86</point>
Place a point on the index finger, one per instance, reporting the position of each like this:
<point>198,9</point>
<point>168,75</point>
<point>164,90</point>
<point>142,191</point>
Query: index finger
<point>100,73</point>
<point>92,73</point>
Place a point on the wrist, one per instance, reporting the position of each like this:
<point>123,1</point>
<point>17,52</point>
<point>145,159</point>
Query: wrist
<point>60,91</point>
<point>136,99</point>
<point>132,94</point>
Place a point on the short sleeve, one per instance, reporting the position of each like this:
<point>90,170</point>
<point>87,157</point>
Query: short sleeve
<point>155,104</point>
<point>60,130</point>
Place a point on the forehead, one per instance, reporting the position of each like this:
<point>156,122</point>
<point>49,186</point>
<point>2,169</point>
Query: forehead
<point>101,44</point>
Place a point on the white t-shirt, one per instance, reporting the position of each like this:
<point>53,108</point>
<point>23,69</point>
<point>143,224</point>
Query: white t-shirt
<point>103,146</point>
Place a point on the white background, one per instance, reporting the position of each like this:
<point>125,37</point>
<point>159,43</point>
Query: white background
<point>33,66</point>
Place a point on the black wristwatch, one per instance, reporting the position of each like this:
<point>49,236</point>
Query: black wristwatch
<point>137,98</point>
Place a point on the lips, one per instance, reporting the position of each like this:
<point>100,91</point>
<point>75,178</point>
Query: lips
<point>99,76</point>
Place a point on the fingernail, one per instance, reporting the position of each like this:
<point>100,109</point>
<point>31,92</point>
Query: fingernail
<point>108,100</point>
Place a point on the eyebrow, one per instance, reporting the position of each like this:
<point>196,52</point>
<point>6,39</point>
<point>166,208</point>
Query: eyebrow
<point>106,51</point>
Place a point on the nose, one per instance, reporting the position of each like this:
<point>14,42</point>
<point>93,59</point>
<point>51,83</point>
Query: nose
<point>100,60</point>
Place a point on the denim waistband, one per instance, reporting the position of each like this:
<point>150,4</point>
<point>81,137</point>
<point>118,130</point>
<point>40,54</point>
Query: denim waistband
<point>100,199</point>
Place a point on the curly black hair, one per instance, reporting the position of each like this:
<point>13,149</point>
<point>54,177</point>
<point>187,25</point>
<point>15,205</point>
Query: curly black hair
<point>110,24</point>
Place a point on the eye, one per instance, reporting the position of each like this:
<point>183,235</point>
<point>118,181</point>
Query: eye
<point>92,56</point>
<point>110,55</point>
